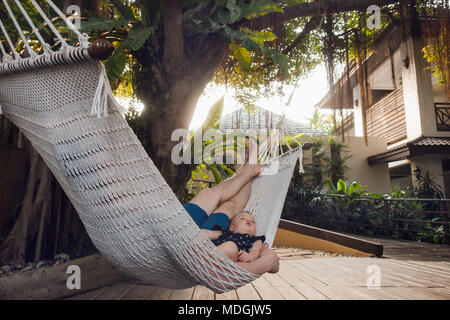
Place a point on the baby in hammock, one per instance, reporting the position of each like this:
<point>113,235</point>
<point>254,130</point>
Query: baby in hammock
<point>239,242</point>
<point>219,212</point>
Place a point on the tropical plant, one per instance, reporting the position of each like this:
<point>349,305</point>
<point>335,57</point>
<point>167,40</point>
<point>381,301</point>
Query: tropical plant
<point>335,163</point>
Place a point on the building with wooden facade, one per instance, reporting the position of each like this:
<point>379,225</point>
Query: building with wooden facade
<point>404,124</point>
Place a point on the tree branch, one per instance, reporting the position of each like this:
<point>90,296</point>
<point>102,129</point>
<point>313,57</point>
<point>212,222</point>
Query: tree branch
<point>173,37</point>
<point>310,25</point>
<point>309,9</point>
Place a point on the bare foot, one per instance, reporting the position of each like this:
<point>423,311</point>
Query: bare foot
<point>273,258</point>
<point>253,169</point>
<point>251,152</point>
<point>251,158</point>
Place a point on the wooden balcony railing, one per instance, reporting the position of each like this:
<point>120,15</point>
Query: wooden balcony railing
<point>386,118</point>
<point>442,112</point>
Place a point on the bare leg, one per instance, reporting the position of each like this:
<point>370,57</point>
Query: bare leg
<point>237,203</point>
<point>210,199</point>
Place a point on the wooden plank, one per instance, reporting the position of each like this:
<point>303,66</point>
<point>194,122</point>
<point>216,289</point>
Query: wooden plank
<point>115,291</point>
<point>377,115</point>
<point>87,295</point>
<point>247,292</point>
<point>417,293</point>
<point>355,281</point>
<point>389,130</point>
<point>137,292</point>
<point>283,287</point>
<point>356,271</point>
<point>289,274</point>
<point>332,292</point>
<point>328,274</point>
<point>389,118</point>
<point>202,293</point>
<point>229,295</point>
<point>290,293</point>
<point>435,266</point>
<point>381,293</point>
<point>411,276</point>
<point>441,292</point>
<point>424,277</point>
<point>427,267</point>
<point>265,290</point>
<point>159,293</point>
<point>389,275</point>
<point>385,292</point>
<point>275,280</point>
<point>182,294</point>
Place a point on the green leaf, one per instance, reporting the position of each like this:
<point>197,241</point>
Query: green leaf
<point>243,56</point>
<point>250,44</point>
<point>235,11</point>
<point>124,11</point>
<point>257,8</point>
<point>351,189</point>
<point>198,171</point>
<point>214,114</point>
<point>216,174</point>
<point>330,185</point>
<point>139,35</point>
<point>190,12</point>
<point>341,186</point>
<point>116,64</point>
<point>279,58</point>
<point>262,36</point>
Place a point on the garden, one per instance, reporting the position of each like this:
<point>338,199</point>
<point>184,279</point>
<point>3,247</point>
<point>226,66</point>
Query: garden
<point>324,198</point>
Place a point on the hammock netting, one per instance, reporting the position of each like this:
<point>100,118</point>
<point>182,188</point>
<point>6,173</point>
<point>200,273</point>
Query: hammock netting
<point>62,103</point>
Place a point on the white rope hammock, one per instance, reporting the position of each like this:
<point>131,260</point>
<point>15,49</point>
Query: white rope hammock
<point>63,104</point>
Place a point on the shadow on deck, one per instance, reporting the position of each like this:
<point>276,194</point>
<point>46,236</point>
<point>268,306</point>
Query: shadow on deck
<point>311,279</point>
<point>407,271</point>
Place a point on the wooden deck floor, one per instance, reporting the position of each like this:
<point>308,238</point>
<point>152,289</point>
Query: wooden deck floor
<point>332,278</point>
<point>410,250</point>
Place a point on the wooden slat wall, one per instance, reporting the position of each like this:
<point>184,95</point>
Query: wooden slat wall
<point>386,118</point>
<point>347,125</point>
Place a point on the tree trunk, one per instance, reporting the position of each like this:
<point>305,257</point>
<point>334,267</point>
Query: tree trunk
<point>31,235</point>
<point>173,104</point>
<point>14,246</point>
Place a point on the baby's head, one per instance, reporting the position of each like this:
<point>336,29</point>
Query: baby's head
<point>243,222</point>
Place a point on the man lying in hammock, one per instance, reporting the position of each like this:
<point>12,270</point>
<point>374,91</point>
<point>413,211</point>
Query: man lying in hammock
<point>221,207</point>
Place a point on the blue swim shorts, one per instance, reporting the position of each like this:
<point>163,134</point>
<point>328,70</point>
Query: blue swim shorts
<point>214,221</point>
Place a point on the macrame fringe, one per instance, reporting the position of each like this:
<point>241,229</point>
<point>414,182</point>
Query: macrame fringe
<point>103,96</point>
